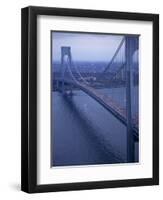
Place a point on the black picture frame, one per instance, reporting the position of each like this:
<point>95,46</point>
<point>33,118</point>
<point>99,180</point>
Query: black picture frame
<point>29,98</point>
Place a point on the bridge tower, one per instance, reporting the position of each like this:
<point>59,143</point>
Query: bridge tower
<point>131,45</point>
<point>65,52</point>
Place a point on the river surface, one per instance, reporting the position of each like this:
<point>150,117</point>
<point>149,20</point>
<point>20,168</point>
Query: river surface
<point>84,133</point>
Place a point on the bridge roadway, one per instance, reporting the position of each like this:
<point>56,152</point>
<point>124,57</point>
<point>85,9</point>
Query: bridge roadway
<point>107,102</point>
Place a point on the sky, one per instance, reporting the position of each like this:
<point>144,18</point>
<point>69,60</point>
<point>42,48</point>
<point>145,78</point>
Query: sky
<point>84,46</point>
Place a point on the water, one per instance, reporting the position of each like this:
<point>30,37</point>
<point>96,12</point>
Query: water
<point>83,132</point>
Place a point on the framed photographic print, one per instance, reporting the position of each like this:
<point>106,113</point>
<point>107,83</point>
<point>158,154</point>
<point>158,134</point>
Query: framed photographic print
<point>90,99</point>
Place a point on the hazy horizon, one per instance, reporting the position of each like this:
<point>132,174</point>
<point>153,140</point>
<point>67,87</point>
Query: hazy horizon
<point>85,46</point>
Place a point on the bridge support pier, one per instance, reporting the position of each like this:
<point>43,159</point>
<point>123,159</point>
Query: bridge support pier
<point>63,87</point>
<point>70,90</point>
<point>57,85</point>
<point>131,46</point>
<point>71,93</point>
<point>65,51</point>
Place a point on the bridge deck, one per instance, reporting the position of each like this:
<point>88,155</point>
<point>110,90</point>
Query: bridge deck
<point>107,102</point>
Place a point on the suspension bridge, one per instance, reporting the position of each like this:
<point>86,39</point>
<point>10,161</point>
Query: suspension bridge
<point>119,65</point>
